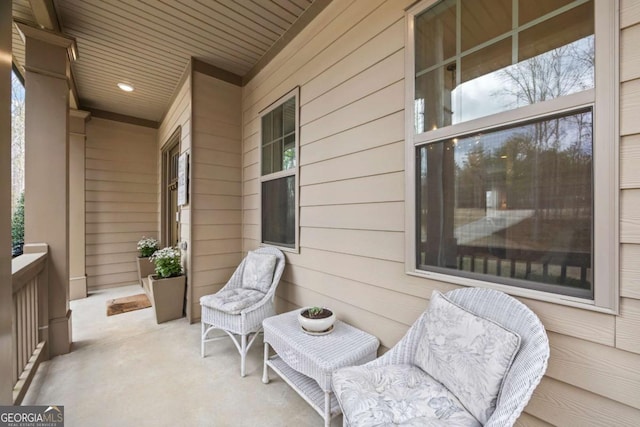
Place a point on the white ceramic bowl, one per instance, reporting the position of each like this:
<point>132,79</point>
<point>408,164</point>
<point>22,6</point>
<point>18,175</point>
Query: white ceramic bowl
<point>316,325</point>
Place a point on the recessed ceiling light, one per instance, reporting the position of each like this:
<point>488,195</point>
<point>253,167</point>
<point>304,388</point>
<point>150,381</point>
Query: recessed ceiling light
<point>126,87</point>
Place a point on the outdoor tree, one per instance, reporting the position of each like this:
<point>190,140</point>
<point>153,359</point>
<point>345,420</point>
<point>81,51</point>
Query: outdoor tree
<point>17,226</point>
<point>17,165</point>
<point>17,140</point>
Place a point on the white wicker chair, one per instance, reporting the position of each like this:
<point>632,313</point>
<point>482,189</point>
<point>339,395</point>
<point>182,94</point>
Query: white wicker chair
<point>248,322</point>
<point>521,379</point>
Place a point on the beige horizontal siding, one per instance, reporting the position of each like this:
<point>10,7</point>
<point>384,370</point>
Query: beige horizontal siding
<point>363,216</point>
<point>527,420</point>
<point>387,187</point>
<point>216,185</point>
<point>601,369</point>
<point>561,404</point>
<point>630,271</point>
<point>630,215</point>
<point>628,322</point>
<point>369,108</point>
<point>384,131</point>
<point>383,44</point>
<point>628,326</point>
<point>629,161</point>
<point>629,107</point>
<point>121,199</point>
<point>376,161</point>
<point>225,261</point>
<point>382,245</point>
<point>377,77</point>
<point>352,92</point>
<point>629,13</point>
<point>584,324</point>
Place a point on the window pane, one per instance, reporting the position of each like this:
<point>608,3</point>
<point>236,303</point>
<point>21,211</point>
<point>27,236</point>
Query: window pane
<point>529,10</point>
<point>267,156</point>
<point>289,152</point>
<point>553,58</point>
<point>289,113</point>
<point>278,138</point>
<point>277,122</point>
<point>515,203</point>
<point>278,211</point>
<point>277,156</point>
<point>433,98</point>
<point>480,92</point>
<point>557,36</point>
<point>267,129</point>
<point>435,35</point>
<point>483,20</point>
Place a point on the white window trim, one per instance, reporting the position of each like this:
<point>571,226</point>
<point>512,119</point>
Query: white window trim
<point>605,100</point>
<point>295,93</point>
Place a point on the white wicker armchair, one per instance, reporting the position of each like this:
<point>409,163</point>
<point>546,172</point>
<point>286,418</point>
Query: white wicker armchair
<point>362,391</point>
<point>244,321</point>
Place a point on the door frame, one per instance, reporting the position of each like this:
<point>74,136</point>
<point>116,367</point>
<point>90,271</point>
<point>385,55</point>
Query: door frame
<point>173,141</point>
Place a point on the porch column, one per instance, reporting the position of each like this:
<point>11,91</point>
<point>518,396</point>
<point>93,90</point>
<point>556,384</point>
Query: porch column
<point>47,73</point>
<point>77,138</point>
<point>6,293</point>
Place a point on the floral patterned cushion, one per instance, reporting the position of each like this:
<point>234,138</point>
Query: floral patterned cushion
<point>397,395</point>
<point>468,354</point>
<point>232,301</point>
<point>258,271</point>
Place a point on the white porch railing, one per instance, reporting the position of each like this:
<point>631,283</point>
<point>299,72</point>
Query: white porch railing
<point>30,316</point>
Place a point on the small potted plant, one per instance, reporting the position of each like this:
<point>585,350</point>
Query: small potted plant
<point>316,320</point>
<point>146,247</point>
<point>167,285</point>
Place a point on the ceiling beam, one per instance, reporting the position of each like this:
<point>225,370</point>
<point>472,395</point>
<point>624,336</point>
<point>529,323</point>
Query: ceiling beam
<point>213,71</point>
<point>117,117</point>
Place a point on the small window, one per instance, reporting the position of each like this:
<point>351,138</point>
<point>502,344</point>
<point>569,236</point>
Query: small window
<point>279,178</point>
<point>513,144</point>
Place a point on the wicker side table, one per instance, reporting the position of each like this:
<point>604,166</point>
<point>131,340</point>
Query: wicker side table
<point>306,362</point>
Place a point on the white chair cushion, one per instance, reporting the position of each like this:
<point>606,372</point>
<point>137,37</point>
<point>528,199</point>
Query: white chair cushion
<point>232,301</point>
<point>258,271</point>
<point>397,395</point>
<point>468,354</point>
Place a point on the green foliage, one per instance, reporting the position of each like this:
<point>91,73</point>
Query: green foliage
<point>17,222</point>
<point>147,246</point>
<point>314,311</point>
<point>167,262</point>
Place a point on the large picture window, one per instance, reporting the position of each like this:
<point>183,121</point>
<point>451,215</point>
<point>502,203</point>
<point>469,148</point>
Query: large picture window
<point>278,165</point>
<point>505,154</point>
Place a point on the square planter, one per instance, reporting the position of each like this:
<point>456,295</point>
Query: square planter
<point>167,297</point>
<point>145,268</point>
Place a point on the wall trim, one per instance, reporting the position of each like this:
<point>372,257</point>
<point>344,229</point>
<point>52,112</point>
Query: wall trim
<point>109,115</point>
<point>215,72</point>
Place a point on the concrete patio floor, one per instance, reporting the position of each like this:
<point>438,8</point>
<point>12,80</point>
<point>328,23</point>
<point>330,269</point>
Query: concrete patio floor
<point>126,370</point>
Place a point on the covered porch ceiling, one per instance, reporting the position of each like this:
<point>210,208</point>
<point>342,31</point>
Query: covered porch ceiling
<point>149,43</point>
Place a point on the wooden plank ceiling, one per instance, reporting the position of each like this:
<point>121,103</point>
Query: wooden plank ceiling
<point>148,43</point>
